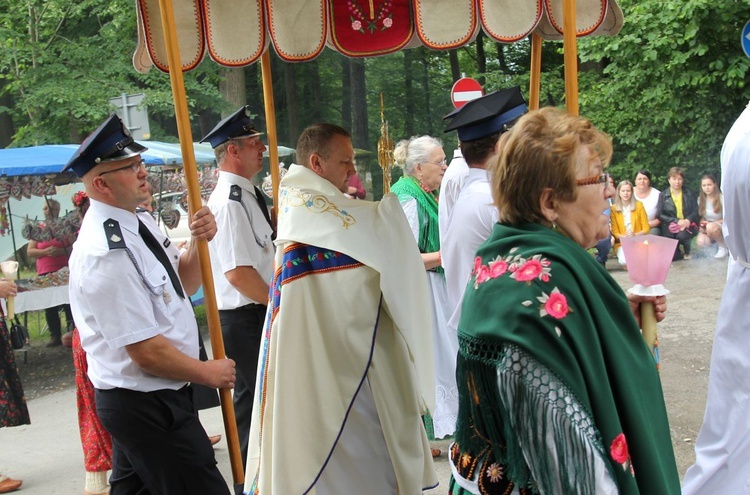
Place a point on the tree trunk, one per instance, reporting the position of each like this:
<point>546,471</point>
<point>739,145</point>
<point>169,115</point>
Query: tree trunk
<point>455,68</point>
<point>232,88</point>
<point>346,93</point>
<point>315,96</point>
<point>481,58</point>
<point>290,104</point>
<point>360,137</point>
<point>424,62</point>
<point>501,59</point>
<point>408,93</point>
<point>6,120</point>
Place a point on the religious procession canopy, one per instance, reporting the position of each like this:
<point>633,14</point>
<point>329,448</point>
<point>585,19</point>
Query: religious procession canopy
<point>236,33</point>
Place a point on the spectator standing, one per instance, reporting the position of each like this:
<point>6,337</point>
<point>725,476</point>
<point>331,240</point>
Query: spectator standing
<point>50,257</point>
<point>711,209</point>
<point>355,189</point>
<point>13,410</point>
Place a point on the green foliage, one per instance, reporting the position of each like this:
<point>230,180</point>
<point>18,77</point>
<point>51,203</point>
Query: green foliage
<point>63,60</point>
<point>669,86</point>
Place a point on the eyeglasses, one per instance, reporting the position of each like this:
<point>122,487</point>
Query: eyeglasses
<point>439,164</point>
<point>594,179</point>
<point>135,167</point>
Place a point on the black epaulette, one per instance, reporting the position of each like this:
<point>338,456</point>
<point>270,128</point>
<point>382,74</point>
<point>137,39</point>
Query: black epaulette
<point>235,193</point>
<point>114,234</point>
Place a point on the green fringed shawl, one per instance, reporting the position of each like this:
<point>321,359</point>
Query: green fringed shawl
<point>408,187</point>
<point>545,330</point>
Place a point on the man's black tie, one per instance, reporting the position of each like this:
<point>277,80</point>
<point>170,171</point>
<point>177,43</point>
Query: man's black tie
<point>158,251</point>
<point>264,209</point>
<point>262,204</point>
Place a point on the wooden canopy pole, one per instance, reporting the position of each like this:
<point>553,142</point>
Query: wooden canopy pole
<point>570,56</point>
<point>273,150</point>
<point>535,80</point>
<point>195,203</point>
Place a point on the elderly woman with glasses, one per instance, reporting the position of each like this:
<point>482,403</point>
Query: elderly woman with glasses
<point>423,161</point>
<point>558,392</point>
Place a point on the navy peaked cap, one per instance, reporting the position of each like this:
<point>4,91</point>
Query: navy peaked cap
<point>111,141</point>
<point>237,125</point>
<point>487,115</point>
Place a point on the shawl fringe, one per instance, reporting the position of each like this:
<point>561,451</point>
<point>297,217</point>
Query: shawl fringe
<point>531,392</point>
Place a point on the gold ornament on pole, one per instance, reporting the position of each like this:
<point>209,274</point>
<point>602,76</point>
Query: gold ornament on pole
<point>385,150</point>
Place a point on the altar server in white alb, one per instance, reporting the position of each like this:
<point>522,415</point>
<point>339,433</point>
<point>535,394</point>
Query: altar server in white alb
<point>241,255</point>
<point>346,363</point>
<point>137,325</point>
<point>722,450</point>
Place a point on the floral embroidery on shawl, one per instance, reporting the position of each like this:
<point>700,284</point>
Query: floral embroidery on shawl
<point>526,270</point>
<point>315,203</point>
<point>618,450</point>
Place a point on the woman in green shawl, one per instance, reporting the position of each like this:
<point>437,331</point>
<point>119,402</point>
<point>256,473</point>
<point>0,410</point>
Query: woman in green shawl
<point>423,161</point>
<point>558,392</point>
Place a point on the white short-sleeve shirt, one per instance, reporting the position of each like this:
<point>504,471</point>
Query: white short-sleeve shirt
<point>450,188</point>
<point>471,223</point>
<point>120,297</point>
<point>243,238</point>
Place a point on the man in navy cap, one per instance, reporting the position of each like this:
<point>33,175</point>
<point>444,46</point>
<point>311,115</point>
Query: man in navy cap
<point>241,255</point>
<point>479,124</point>
<point>137,325</point>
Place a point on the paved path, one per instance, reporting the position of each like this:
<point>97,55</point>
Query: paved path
<point>47,454</point>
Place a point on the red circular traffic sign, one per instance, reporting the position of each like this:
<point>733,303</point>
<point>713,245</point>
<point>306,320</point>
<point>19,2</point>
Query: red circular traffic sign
<point>464,90</point>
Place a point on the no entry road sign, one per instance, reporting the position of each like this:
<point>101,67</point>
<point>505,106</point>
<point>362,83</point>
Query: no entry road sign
<point>464,90</point>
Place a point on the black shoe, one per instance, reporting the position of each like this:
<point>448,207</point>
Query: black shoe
<point>55,342</point>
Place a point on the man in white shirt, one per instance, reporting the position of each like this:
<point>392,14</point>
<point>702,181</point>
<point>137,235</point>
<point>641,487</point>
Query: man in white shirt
<point>137,326</point>
<point>241,255</point>
<point>479,124</point>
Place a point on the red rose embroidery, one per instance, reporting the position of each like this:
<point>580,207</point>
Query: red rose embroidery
<point>498,268</point>
<point>529,271</point>
<point>619,449</point>
<point>477,264</point>
<point>557,307</point>
<point>483,275</point>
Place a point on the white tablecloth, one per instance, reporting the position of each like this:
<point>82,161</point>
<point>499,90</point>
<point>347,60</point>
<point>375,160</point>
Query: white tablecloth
<point>33,300</point>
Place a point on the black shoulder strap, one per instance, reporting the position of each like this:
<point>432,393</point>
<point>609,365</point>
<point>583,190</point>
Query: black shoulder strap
<point>235,193</point>
<point>114,234</point>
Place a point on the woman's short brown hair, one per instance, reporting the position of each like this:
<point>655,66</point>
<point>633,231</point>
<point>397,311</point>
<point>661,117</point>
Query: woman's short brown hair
<point>675,171</point>
<point>538,153</point>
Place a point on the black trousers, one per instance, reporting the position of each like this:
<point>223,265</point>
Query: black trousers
<point>52,315</point>
<point>684,238</point>
<point>159,446</point>
<point>242,329</point>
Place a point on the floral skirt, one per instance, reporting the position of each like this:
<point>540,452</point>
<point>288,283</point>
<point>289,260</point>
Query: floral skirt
<point>96,441</point>
<point>13,410</point>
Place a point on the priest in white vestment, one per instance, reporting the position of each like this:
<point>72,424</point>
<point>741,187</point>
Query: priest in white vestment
<point>345,370</point>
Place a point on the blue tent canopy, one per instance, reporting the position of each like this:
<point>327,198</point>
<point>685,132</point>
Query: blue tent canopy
<point>51,158</point>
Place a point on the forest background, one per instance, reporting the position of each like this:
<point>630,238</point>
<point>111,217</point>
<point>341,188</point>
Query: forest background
<point>667,88</point>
